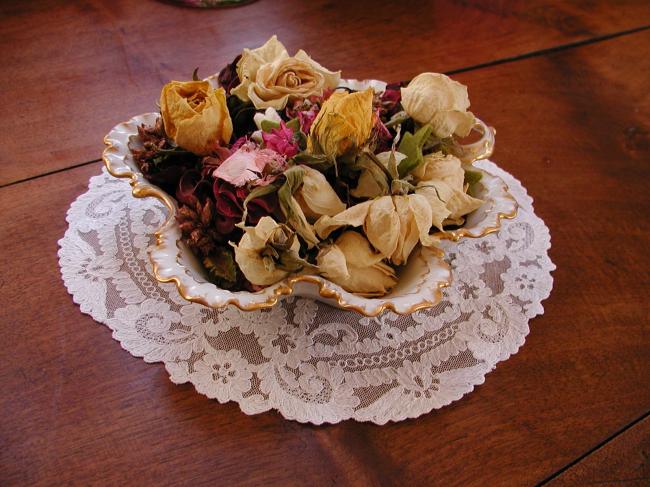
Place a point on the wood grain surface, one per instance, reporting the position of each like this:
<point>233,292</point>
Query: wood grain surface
<point>73,69</point>
<point>623,461</point>
<point>573,125</point>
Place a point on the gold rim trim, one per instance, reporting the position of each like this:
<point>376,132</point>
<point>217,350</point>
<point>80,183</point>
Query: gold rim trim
<point>456,235</point>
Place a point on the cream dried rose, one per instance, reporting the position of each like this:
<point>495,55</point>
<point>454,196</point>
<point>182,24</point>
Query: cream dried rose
<point>393,224</point>
<point>316,197</point>
<point>268,252</point>
<point>437,100</point>
<point>441,180</point>
<point>352,264</point>
<point>269,77</point>
<point>195,115</point>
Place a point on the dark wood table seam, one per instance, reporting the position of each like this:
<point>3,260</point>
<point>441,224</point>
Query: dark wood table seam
<point>49,173</point>
<point>550,50</point>
<point>594,449</point>
<point>475,67</point>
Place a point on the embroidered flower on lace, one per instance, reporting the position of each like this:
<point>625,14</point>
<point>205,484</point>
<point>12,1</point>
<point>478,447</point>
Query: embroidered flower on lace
<point>262,322</point>
<point>222,375</point>
<point>316,392</point>
<point>304,311</point>
<point>87,273</point>
<point>524,282</point>
<point>495,333</point>
<point>202,322</point>
<point>289,345</point>
<point>151,317</point>
<point>93,212</point>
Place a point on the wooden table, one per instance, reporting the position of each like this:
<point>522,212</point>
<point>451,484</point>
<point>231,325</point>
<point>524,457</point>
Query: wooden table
<point>566,84</point>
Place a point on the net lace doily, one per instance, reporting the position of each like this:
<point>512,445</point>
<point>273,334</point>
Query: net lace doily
<point>311,362</point>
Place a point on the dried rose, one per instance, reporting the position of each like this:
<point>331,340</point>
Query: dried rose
<point>270,77</point>
<point>269,116</point>
<point>343,124</point>
<point>440,179</point>
<point>267,252</point>
<point>389,100</point>
<point>393,224</point>
<point>195,115</point>
<point>229,202</point>
<point>316,196</point>
<point>352,264</point>
<point>374,179</point>
<point>437,100</point>
<point>291,209</point>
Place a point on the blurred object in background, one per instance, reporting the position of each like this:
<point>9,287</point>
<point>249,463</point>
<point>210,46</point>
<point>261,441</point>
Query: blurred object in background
<point>210,3</point>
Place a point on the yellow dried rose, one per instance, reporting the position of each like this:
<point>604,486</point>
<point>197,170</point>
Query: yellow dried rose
<point>343,124</point>
<point>269,77</point>
<point>352,264</point>
<point>195,115</point>
<point>268,252</point>
<point>437,100</point>
<point>441,180</point>
<point>316,197</point>
<point>393,224</point>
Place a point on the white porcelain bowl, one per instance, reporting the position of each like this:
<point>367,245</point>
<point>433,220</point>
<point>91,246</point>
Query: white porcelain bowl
<point>420,282</point>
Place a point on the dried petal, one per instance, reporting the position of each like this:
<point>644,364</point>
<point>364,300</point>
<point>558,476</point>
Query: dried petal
<point>382,226</point>
<point>440,179</point>
<point>353,216</point>
<point>352,263</point>
<point>437,100</point>
<point>316,196</point>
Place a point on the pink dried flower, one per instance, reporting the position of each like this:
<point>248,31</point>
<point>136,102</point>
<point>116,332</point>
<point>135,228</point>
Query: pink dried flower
<point>381,134</point>
<point>390,99</point>
<point>281,140</point>
<point>239,142</point>
<point>249,164</point>
<point>242,166</point>
<point>307,117</point>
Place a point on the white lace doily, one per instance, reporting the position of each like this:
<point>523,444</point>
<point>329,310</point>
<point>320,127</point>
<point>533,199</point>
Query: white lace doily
<point>311,362</point>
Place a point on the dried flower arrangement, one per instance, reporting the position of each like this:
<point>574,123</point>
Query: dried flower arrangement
<point>279,170</point>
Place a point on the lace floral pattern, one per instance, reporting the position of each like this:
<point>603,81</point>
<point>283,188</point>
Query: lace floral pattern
<point>311,362</point>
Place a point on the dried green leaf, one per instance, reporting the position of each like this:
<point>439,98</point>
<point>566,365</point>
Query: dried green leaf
<point>411,145</point>
<point>317,161</point>
<point>268,125</point>
<point>472,177</point>
<point>291,209</point>
<point>294,124</point>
